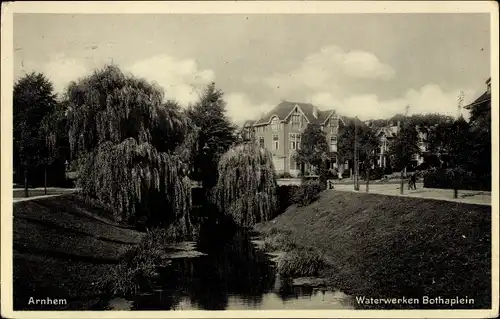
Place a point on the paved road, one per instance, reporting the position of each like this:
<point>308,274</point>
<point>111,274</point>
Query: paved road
<point>464,196</point>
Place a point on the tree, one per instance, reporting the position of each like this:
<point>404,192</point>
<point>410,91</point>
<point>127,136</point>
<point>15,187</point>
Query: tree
<point>131,147</point>
<point>480,134</point>
<point>367,142</point>
<point>33,100</point>
<point>246,188</point>
<point>314,150</point>
<point>54,128</point>
<point>345,144</point>
<point>216,135</point>
<point>405,146</point>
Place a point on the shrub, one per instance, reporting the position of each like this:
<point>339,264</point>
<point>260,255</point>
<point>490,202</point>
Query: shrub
<point>333,174</point>
<point>284,175</point>
<point>278,240</point>
<point>301,263</point>
<point>388,170</point>
<point>375,174</point>
<point>346,174</point>
<point>307,193</point>
<point>139,268</point>
<point>449,178</point>
<point>285,197</point>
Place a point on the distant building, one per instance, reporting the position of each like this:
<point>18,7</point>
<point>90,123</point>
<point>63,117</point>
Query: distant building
<point>422,145</point>
<point>247,131</point>
<point>386,134</point>
<point>483,101</point>
<point>280,131</point>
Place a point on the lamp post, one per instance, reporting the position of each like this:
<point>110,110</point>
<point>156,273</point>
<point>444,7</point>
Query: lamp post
<point>401,188</point>
<point>205,150</point>
<point>356,167</point>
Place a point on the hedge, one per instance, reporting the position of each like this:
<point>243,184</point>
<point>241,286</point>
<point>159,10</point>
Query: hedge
<point>450,178</point>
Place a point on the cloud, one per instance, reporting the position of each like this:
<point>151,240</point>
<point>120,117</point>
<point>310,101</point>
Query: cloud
<point>428,99</point>
<point>182,79</point>
<point>240,108</point>
<point>60,70</point>
<point>327,69</point>
<point>361,64</point>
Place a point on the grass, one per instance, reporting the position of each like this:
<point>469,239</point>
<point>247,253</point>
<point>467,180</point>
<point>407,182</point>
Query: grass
<point>138,269</point>
<point>70,247</point>
<point>382,246</point>
<point>302,263</point>
<point>64,247</point>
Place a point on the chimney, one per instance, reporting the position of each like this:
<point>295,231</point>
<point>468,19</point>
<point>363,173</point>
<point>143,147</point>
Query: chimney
<point>488,85</point>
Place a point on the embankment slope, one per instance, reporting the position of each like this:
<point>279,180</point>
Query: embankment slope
<point>63,247</point>
<point>386,246</point>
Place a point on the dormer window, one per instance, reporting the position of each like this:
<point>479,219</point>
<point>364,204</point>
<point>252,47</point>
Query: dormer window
<point>275,124</point>
<point>334,124</point>
<point>296,119</point>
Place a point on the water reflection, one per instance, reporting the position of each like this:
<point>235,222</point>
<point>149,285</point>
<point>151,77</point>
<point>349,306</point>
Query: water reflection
<point>232,275</point>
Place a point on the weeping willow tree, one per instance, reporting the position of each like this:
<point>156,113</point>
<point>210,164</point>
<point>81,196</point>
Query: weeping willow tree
<point>131,147</point>
<point>246,187</point>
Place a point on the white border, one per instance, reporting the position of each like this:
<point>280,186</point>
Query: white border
<point>218,7</point>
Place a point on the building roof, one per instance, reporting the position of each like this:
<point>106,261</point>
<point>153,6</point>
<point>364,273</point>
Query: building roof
<point>486,96</point>
<point>249,123</point>
<point>283,110</point>
<point>387,131</point>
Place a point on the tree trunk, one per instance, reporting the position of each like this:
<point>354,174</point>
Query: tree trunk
<point>367,179</point>
<point>455,193</point>
<point>25,182</point>
<point>45,179</point>
<point>402,183</point>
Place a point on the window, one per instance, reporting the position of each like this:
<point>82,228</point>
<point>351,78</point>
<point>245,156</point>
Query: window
<point>294,141</point>
<point>275,124</point>
<point>261,142</point>
<point>276,142</point>
<point>296,119</point>
<point>334,124</point>
<point>333,143</point>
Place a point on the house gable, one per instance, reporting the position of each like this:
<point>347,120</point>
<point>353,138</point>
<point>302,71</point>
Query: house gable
<point>296,107</point>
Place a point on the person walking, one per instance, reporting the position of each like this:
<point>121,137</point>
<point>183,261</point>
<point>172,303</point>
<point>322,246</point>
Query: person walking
<point>413,181</point>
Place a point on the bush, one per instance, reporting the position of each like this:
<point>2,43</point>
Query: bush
<point>450,178</point>
<point>333,174</point>
<point>375,174</point>
<point>284,175</point>
<point>301,263</point>
<point>387,170</point>
<point>285,197</point>
<point>307,193</point>
<point>139,269</point>
<point>278,240</point>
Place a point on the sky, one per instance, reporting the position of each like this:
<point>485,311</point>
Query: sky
<point>365,65</point>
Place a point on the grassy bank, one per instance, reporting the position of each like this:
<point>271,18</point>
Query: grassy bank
<point>65,247</point>
<point>383,247</point>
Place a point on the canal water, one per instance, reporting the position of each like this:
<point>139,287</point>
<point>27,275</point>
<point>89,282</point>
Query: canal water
<point>228,274</point>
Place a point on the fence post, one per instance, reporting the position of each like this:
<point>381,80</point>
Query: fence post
<point>402,183</point>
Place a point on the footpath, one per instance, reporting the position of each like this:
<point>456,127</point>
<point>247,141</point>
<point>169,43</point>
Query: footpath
<point>38,193</point>
<point>393,189</point>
